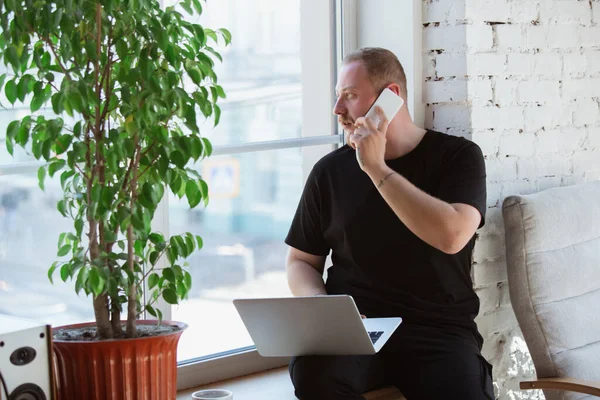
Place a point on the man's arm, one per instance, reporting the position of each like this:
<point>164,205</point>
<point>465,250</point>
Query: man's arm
<point>305,273</point>
<point>447,227</point>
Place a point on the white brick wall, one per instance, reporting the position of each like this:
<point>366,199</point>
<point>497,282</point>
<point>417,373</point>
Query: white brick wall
<point>522,79</point>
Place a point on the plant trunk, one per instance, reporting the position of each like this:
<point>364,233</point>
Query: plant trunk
<point>132,301</point>
<point>103,325</point>
<point>101,313</point>
<point>115,320</point>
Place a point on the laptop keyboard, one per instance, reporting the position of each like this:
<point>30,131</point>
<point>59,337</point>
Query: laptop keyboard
<point>375,336</point>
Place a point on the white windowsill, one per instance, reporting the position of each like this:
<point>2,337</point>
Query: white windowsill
<point>274,384</point>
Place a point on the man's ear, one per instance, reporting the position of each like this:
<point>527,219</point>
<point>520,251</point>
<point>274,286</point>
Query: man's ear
<point>394,87</point>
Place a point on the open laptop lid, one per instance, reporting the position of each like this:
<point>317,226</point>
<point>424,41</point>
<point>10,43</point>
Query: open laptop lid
<point>293,326</point>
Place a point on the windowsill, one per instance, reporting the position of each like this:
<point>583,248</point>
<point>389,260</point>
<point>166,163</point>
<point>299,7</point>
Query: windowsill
<point>272,385</point>
<point>269,385</point>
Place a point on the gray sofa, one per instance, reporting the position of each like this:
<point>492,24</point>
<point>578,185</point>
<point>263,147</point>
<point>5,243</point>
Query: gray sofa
<point>553,261</point>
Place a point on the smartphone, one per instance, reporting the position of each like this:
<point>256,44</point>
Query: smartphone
<point>389,101</point>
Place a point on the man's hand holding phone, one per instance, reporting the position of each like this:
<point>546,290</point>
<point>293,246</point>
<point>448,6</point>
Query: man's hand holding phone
<point>369,141</point>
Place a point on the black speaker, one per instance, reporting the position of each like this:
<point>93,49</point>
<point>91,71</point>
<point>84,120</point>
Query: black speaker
<point>25,360</point>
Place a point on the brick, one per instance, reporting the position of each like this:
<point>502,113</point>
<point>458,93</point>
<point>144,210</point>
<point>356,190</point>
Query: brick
<point>586,161</point>
<point>454,64</point>
<point>548,64</point>
<point>492,202</point>
<point>548,142</point>
<point>480,91</point>
<point>593,61</point>
<point>445,38</point>
<point>590,36</point>
<point>494,221</point>
<point>497,117</point>
<point>492,297</point>
<point>488,10</point>
<point>575,64</point>
<point>593,138</point>
<point>429,68</point>
<point>505,92</point>
<point>510,37</point>
<point>519,186</point>
<point>524,11</point>
<point>547,116</point>
<point>538,92</point>
<point>428,116</point>
<point>548,182</point>
<point>563,36</point>
<point>579,88</point>
<point>571,139</point>
<point>444,11</point>
<point>536,37</point>
<point>490,248</point>
<point>586,113</point>
<point>451,116</point>
<point>520,64</point>
<point>480,37</point>
<point>486,64</point>
<point>526,169</point>
<point>445,91</point>
<point>502,319</point>
<point>501,169</point>
<point>488,141</point>
<point>517,144</point>
<point>557,165</point>
<point>561,11</point>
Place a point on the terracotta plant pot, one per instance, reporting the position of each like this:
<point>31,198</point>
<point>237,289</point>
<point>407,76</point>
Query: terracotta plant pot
<point>121,369</point>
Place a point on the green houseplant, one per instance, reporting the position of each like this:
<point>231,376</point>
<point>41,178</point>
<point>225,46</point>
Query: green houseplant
<point>117,75</point>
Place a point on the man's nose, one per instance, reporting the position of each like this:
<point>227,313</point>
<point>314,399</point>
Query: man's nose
<point>338,108</point>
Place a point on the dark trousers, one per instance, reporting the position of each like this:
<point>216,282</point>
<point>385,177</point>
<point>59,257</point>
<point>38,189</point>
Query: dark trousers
<point>423,363</point>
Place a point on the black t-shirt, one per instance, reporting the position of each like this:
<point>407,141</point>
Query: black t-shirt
<point>376,259</point>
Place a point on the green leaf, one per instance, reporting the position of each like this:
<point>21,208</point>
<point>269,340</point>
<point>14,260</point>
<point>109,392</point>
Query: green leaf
<point>169,275</point>
<point>207,147</point>
<point>82,278</point>
<point>64,250</point>
<point>41,176</point>
<point>197,6</point>
<point>61,207</point>
<point>51,271</point>
<point>178,159</point>
<point>12,56</point>
<point>56,166</point>
<point>217,111</point>
<point>65,272</point>
<point>2,79</point>
<point>37,102</point>
<point>170,296</point>
<point>200,242</point>
<point>186,7</point>
<point>226,35</point>
<point>153,280</point>
<point>187,280</point>
<point>11,91</point>
<point>192,193</point>
<point>96,281</point>
<point>151,310</point>
<point>156,238</point>
<point>79,226</point>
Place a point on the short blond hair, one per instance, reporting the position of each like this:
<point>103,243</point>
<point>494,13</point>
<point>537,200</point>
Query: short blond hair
<point>383,67</point>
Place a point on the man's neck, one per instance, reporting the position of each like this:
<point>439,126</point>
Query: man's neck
<point>402,138</point>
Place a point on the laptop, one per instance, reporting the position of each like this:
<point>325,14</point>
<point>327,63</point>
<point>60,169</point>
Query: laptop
<point>315,325</point>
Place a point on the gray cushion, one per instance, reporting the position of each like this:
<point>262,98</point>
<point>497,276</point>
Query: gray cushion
<point>553,261</point>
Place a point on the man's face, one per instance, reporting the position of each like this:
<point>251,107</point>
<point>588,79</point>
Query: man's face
<point>355,95</point>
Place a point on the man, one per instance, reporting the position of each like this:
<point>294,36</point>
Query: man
<point>398,207</point>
